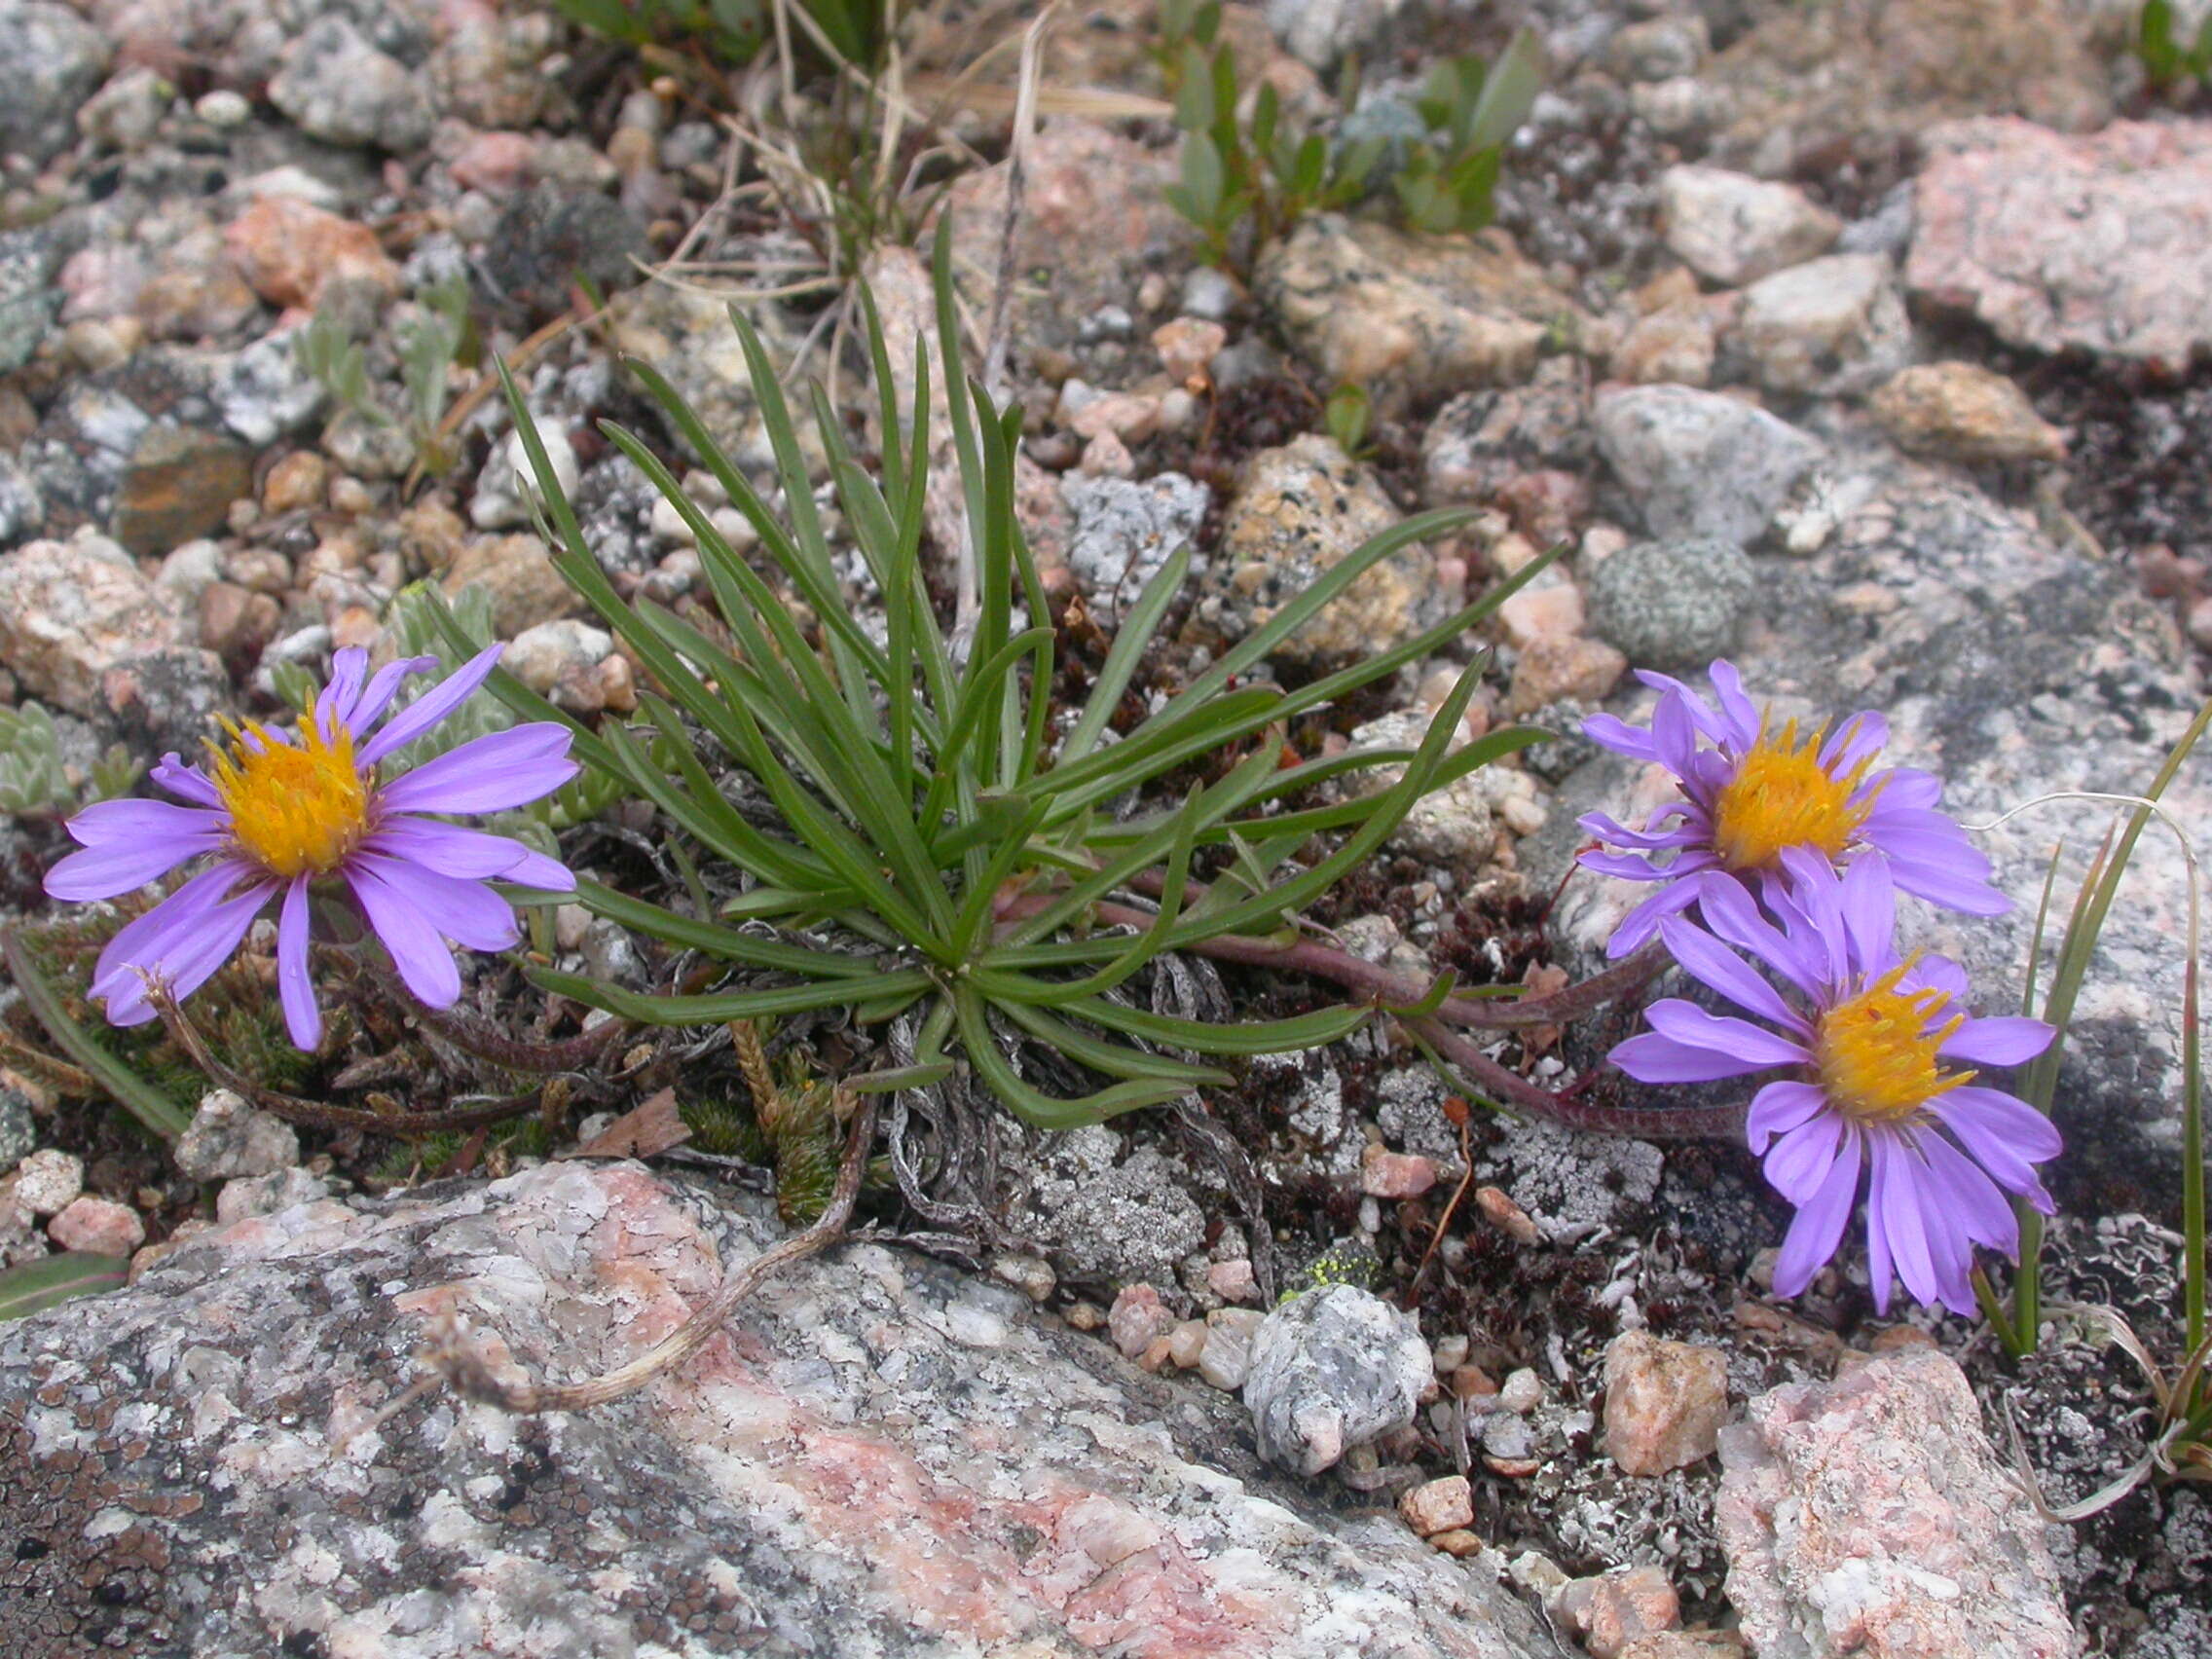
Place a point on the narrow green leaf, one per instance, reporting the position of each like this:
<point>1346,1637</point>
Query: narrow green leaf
<point>32,1287</point>
<point>1032,1105</point>
<point>1248,1037</point>
<point>725,944</point>
<point>134,1094</point>
<point>714,1008</point>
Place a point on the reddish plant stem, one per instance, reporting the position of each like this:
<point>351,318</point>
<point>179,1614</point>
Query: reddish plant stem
<point>1397,990</point>
<point>1500,1083</point>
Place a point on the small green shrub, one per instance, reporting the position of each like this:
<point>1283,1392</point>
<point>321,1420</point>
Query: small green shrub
<point>925,830</point>
<point>1246,180</point>
<point>2165,61</point>
<point>437,335</point>
<point>34,781</point>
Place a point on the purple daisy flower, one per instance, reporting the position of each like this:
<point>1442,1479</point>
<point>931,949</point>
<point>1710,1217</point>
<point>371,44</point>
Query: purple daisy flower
<point>1757,792</point>
<point>281,811</point>
<point>1871,1094</point>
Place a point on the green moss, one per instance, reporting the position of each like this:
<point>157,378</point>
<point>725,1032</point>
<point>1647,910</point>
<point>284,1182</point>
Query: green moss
<point>1340,1264</point>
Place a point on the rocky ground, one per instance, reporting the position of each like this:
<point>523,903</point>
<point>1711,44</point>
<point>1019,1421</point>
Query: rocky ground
<point>1858,340</point>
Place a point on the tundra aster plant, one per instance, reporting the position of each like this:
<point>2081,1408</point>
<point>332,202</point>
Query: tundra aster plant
<point>1880,1092</point>
<point>285,812</point>
<point>932,842</point>
<point>1753,793</point>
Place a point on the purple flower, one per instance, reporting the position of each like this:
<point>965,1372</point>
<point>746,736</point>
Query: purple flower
<point>281,811</point>
<point>1757,792</point>
<point>1870,1093</point>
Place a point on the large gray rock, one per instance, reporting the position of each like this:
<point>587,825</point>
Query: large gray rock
<point>70,612</point>
<point>880,1456</point>
<point>2102,242</point>
<point>1871,1515</point>
<point>1698,464</point>
<point>54,60</point>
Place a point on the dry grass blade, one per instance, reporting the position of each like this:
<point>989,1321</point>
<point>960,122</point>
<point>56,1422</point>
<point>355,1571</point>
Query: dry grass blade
<point>461,1363</point>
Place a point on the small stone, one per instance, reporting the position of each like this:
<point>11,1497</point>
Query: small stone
<point>224,108</point>
<point>1735,228</point>
<point>1963,411</point>
<point>1473,1382</point>
<point>1411,317</point>
<point>1665,1402</point>
<point>1555,667</point>
<point>1305,508</point>
<point>127,113</point>
<point>48,1182</point>
<point>338,88</point>
<point>56,60</point>
<point>1128,415</point>
<point>2200,623</point>
<point>179,483</point>
<point>1673,606</point>
<point>1498,1207</point>
<point>1125,532</point>
<point>1187,346</point>
<point>298,482</point>
<point>1546,609</point>
<point>1107,456</point>
<point>98,1226</point>
<point>19,1130</point>
<point>1459,1543</point>
<point>1439,1506</point>
<point>1227,1358</point>
<point>561,660</point>
<point>1835,327</point>
<point>1701,465</point>
<point>517,575</point>
<point>1186,1341</point>
<point>1387,1174</point>
<point>1233,1281</point>
<point>1137,1319</point>
<point>1522,1392</point>
<point>266,1194</point>
<point>289,252</point>
<point>236,623</point>
<point>68,613</point>
<point>1615,1608</point>
<point>1331,1368</point>
<point>1032,1275</point>
<point>230,1138</point>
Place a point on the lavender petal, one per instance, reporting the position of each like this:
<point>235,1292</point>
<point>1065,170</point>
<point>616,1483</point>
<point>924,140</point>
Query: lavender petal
<point>1817,1229</point>
<point>1755,1046</point>
<point>468,912</point>
<point>1711,963</point>
<point>428,709</point>
<point>472,855</point>
<point>295,984</point>
<point>1779,1108</point>
<point>426,966</point>
<point>2002,1042</point>
<point>488,774</point>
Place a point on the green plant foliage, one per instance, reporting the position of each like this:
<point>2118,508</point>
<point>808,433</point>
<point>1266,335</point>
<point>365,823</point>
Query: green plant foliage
<point>940,837</point>
<point>1258,172</point>
<point>731,30</point>
<point>32,1287</point>
<point>2165,61</point>
<point>437,334</point>
<point>33,779</point>
<point>1347,416</point>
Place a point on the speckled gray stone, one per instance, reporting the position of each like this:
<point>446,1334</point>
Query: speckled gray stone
<point>1699,463</point>
<point>1672,604</point>
<point>19,1130</point>
<point>881,1457</point>
<point>1125,532</point>
<point>1330,1370</point>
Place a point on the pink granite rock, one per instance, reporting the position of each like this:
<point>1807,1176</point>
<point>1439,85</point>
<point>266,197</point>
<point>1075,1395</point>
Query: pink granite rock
<point>1870,1516</point>
<point>2102,242</point>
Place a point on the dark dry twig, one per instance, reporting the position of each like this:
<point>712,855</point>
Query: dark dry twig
<point>1456,1110</point>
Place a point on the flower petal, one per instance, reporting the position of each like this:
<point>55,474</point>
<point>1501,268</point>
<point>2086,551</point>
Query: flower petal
<point>1673,731</point>
<point>1981,1209</point>
<point>1909,1217</point>
<point>382,687</point>
<point>426,966</point>
<point>1737,711</point>
<point>1711,963</point>
<point>106,867</point>
<point>493,773</point>
<point>1864,734</point>
<point>188,782</point>
<point>1867,902</point>
<point>1779,1108</point>
<point>1639,925</point>
<point>135,820</point>
<point>1609,731</point>
<point>1798,1161</point>
<point>473,854</point>
<point>1652,1058</point>
<point>347,669</point>
<point>1818,1227</point>
<point>2002,1041</point>
<point>183,940</point>
<point>2003,1133</point>
<point>1689,1025</point>
<point>1899,788</point>
<point>428,709</point>
<point>295,984</point>
<point>1727,907</point>
<point>468,912</point>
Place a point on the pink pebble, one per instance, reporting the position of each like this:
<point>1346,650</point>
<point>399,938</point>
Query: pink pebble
<point>98,1226</point>
<point>1386,1174</point>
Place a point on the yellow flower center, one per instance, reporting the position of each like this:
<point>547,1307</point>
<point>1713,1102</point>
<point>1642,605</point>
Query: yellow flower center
<point>296,808</point>
<point>1781,796</point>
<point>1876,1052</point>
